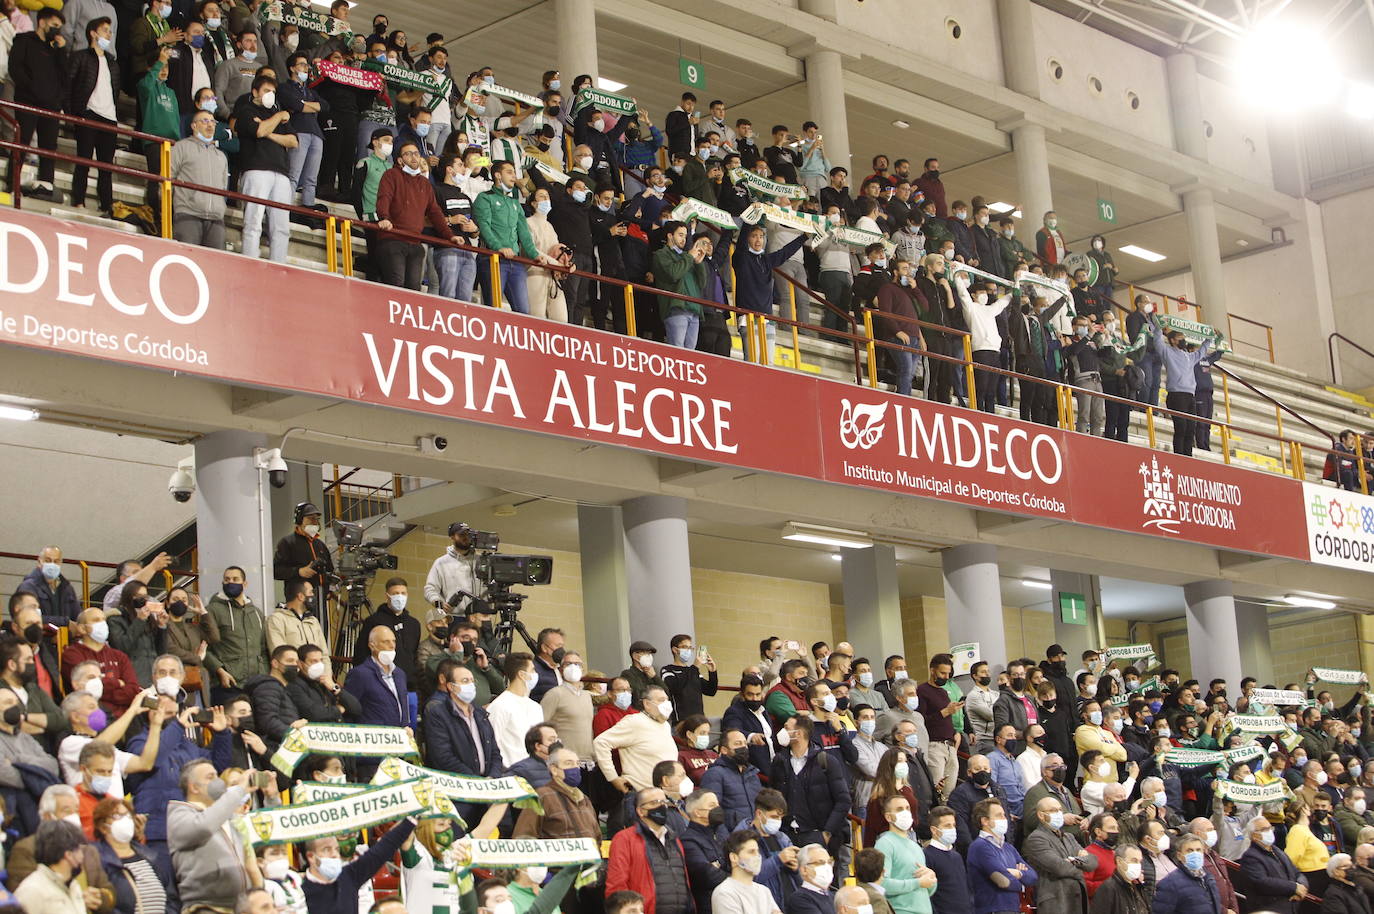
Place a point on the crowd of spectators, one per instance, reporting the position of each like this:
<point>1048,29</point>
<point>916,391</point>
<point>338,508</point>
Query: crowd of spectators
<point>127,756</point>
<point>259,101</point>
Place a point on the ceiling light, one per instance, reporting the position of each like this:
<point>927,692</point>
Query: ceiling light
<point>901,125</point>
<point>1308,76</point>
<point>18,413</point>
<point>826,536</point>
<point>1136,250</point>
<point>1038,585</point>
<point>1359,100</point>
<point>836,556</point>
<point>609,85</point>
<point>503,511</point>
<point>1242,243</point>
<point>999,208</point>
<point>1294,599</point>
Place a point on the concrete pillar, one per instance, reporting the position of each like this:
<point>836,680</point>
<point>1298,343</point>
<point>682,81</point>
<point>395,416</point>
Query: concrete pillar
<point>605,596</point>
<point>1256,655</point>
<point>1032,175</point>
<point>825,95</point>
<point>872,605</point>
<point>1204,249</point>
<point>1185,105</point>
<point>1214,631</point>
<point>1020,64</point>
<point>233,513</point>
<point>1077,638</point>
<point>973,599</point>
<point>575,31</point>
<point>658,569</point>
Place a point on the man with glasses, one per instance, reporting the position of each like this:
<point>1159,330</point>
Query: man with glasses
<point>647,858</point>
<point>198,217</point>
<point>405,201</point>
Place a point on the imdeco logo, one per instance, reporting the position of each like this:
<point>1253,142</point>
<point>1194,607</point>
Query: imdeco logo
<point>861,425</point>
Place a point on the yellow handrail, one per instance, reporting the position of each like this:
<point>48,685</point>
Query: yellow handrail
<point>872,349</point>
<point>331,249</point>
<point>631,321</point>
<point>970,394</point>
<point>796,336</point>
<point>165,159</point>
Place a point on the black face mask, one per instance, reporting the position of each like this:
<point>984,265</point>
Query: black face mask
<point>233,590</point>
<point>658,815</point>
<point>1059,666</point>
<point>753,705</point>
<point>13,715</point>
<point>981,778</point>
<point>983,680</point>
<point>553,110</point>
<point>177,609</point>
<point>33,633</point>
<point>1109,840</point>
<point>933,173</point>
<point>716,817</point>
<point>291,673</point>
<point>557,656</point>
<point>1041,741</point>
<point>139,602</point>
<point>740,756</point>
<point>1318,815</point>
<point>940,681</point>
<point>29,674</point>
<point>543,147</point>
<point>1018,684</point>
<point>1058,773</point>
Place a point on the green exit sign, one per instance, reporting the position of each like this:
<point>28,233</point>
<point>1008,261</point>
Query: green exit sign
<point>1073,608</point>
<point>1106,211</point>
<point>691,74</point>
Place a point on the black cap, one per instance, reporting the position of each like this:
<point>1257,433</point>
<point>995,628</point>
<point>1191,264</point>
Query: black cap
<point>305,509</point>
<point>456,527</point>
<point>642,647</point>
<point>1054,650</point>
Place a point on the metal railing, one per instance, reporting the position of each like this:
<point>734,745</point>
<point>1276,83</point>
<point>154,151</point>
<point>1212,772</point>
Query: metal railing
<point>351,501</point>
<point>1331,350</point>
<point>1193,311</point>
<point>169,576</point>
<point>339,259</point>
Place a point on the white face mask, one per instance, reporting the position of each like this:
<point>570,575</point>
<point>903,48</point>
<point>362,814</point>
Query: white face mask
<point>584,162</point>
<point>310,529</point>
<point>1162,842</point>
<point>1211,838</point>
<point>784,737</point>
<point>665,708</point>
<point>1133,871</point>
<point>903,820</point>
<point>572,673</point>
<point>95,688</point>
<point>822,875</point>
<point>167,685</point>
<point>276,869</point>
<point>122,829</point>
<point>1360,807</point>
<point>1104,769</point>
<point>386,658</point>
<point>315,670</point>
<point>269,100</point>
<point>537,874</point>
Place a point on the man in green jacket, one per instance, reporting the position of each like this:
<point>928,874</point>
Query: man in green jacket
<point>241,651</point>
<point>501,220</point>
<point>677,269</point>
<point>1014,254</point>
<point>160,115</point>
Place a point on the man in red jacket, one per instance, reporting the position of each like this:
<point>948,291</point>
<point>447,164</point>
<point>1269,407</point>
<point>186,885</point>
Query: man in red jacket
<point>119,682</point>
<point>647,858</point>
<point>405,200</point>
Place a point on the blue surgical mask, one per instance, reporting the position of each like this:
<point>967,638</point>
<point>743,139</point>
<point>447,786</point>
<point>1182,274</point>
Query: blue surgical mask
<point>212,23</point>
<point>249,56</point>
<point>197,41</point>
<point>100,784</point>
<point>380,58</point>
<point>555,84</point>
<point>1056,820</point>
<point>1096,718</point>
<point>622,700</point>
<point>422,129</point>
<point>579,196</point>
<point>103,43</point>
<point>543,207</point>
<point>489,80</point>
<point>1193,860</point>
<point>52,571</point>
<point>398,600</point>
<point>330,868</point>
<point>604,207</point>
<point>913,741</point>
<point>164,10</point>
<point>412,171</point>
<point>866,727</point>
<point>948,836</point>
<point>866,680</point>
<point>209,104</point>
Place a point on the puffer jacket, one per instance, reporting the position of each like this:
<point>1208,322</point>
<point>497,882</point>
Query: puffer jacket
<point>273,709</point>
<point>82,80</point>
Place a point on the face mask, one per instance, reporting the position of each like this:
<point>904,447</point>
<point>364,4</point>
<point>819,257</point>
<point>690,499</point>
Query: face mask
<point>164,10</point>
<point>489,80</point>
<point>122,830</point>
<point>315,670</point>
<point>212,23</point>
<point>1051,223</point>
<point>829,703</point>
<point>52,571</point>
<point>233,590</point>
<point>329,867</point>
<point>622,700</point>
<point>866,680</point>
<point>912,741</point>
<point>961,215</point>
<point>249,56</point>
<point>686,656</point>
<point>701,742</point>
<point>269,100</point>
<point>1267,837</point>
<point>1164,731</point>
<point>644,660</point>
<point>1007,233</point>
<point>823,874</point>
<point>901,770</point>
<point>1321,778</point>
<point>100,633</point>
<point>665,708</point>
<point>100,784</point>
<point>866,727</point>
<point>179,608</point>
<point>276,869</point>
<point>772,826</point>
<point>913,703</point>
<point>1299,760</point>
<point>904,280</point>
<point>658,815</point>
<point>1058,774</point>
<point>1360,807</point>
<point>981,778</point>
<point>572,673</point>
<point>1096,718</point>
<point>980,298</point>
<point>1104,769</point>
<point>1080,332</point>
<point>983,221</point>
<point>1117,725</point>
<point>168,686</point>
<point>784,738</point>
<point>999,828</point>
<point>386,658</point>
<point>1133,871</point>
<point>882,265</point>
<point>1056,820</point>
<point>1193,860</point>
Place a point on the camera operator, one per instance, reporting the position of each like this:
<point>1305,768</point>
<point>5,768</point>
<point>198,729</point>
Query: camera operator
<point>392,614</point>
<point>302,556</point>
<point>456,570</point>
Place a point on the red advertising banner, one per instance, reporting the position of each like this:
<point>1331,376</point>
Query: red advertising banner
<point>154,303</point>
<point>1129,488</point>
<point>916,447</point>
<point>144,301</point>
